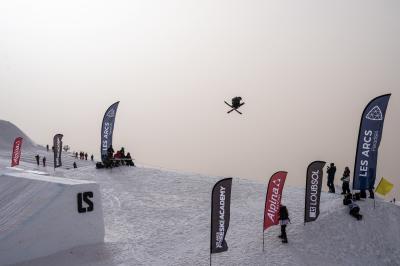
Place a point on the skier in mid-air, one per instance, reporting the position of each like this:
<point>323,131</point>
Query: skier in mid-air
<point>236,103</point>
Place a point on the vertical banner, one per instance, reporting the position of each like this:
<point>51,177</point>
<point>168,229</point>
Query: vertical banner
<point>107,128</point>
<point>369,138</point>
<point>220,214</point>
<point>273,199</point>
<point>315,173</point>
<point>16,153</point>
<point>57,144</point>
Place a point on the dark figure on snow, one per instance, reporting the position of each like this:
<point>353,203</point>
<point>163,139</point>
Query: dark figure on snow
<point>354,208</point>
<point>346,181</point>
<point>91,157</point>
<point>75,166</point>
<point>37,157</point>
<point>236,102</point>
<point>47,147</point>
<point>110,152</point>
<point>331,177</point>
<point>364,193</point>
<point>122,155</point>
<point>76,155</point>
<point>117,158</point>
<point>108,161</point>
<point>129,161</point>
<point>86,155</point>
<point>371,193</point>
<point>44,161</point>
<point>283,221</point>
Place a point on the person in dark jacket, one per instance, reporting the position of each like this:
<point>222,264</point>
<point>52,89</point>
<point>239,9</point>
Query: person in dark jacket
<point>37,157</point>
<point>129,161</point>
<point>331,177</point>
<point>110,152</point>
<point>353,207</point>
<point>283,221</point>
<point>86,155</point>
<point>346,181</point>
<point>44,161</point>
<point>355,210</point>
<point>47,147</point>
<point>236,102</point>
<point>91,157</point>
<point>75,166</point>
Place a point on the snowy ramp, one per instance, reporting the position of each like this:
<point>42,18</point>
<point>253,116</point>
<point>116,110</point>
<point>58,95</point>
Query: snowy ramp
<point>41,215</point>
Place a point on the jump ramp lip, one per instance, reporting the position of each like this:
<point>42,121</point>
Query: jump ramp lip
<point>41,215</point>
<point>47,178</point>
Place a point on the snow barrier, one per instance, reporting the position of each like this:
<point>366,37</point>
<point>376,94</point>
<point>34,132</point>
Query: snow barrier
<point>41,215</point>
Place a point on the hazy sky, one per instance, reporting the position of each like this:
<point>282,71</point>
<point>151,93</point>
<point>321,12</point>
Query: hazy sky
<point>306,70</point>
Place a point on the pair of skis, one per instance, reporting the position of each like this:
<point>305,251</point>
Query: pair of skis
<point>234,108</point>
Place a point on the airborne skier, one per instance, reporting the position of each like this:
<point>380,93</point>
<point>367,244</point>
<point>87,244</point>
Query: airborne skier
<point>236,103</point>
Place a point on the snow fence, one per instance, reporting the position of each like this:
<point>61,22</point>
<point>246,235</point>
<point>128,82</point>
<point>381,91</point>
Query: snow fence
<point>41,215</point>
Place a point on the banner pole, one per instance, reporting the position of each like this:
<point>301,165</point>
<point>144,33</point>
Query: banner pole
<point>263,239</point>
<point>210,258</point>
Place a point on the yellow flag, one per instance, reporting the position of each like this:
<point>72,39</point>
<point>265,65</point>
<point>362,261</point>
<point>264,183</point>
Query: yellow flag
<point>384,187</point>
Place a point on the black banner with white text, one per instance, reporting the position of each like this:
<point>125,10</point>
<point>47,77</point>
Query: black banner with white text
<point>220,214</point>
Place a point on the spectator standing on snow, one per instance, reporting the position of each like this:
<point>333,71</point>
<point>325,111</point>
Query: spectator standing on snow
<point>346,181</point>
<point>86,155</point>
<point>75,166</point>
<point>91,157</point>
<point>37,157</point>
<point>331,177</point>
<point>283,221</point>
<point>44,161</point>
<point>47,147</point>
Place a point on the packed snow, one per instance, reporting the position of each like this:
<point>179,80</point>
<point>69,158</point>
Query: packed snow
<point>34,207</point>
<point>158,217</point>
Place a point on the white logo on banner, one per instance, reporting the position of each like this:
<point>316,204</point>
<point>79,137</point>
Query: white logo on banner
<point>375,114</point>
<point>111,113</point>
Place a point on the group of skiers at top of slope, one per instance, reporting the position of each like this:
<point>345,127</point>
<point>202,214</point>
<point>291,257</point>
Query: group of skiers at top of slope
<point>116,159</point>
<point>83,156</point>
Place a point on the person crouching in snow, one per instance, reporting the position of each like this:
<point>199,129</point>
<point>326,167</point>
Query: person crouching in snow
<point>354,208</point>
<point>283,221</point>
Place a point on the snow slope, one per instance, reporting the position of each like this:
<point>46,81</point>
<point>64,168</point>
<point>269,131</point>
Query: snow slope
<point>39,216</point>
<point>154,217</point>
<point>8,134</point>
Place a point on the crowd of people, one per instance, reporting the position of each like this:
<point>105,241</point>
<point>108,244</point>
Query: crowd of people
<point>349,199</point>
<point>115,159</point>
<point>331,171</point>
